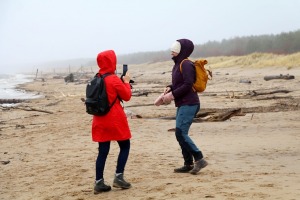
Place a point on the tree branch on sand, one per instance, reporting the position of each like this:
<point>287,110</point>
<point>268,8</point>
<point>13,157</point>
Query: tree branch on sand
<point>3,101</point>
<point>286,77</point>
<point>223,116</point>
<point>140,94</point>
<point>32,109</point>
<point>255,93</point>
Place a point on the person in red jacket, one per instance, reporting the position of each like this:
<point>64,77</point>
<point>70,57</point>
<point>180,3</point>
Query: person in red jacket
<point>114,125</point>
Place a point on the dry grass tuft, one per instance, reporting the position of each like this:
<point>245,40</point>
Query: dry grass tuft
<point>258,60</point>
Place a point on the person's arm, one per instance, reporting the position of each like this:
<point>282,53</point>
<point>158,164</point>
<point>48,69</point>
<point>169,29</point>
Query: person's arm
<point>123,88</point>
<point>188,73</point>
<point>168,89</point>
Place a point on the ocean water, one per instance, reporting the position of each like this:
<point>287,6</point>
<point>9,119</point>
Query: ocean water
<point>8,84</point>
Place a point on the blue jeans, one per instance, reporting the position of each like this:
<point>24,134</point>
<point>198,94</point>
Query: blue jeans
<point>184,118</point>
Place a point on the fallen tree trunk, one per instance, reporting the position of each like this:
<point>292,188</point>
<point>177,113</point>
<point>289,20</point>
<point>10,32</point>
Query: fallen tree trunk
<point>286,77</point>
<point>222,116</point>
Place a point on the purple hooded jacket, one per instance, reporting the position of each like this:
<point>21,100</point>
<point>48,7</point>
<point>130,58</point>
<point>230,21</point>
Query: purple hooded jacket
<point>182,83</point>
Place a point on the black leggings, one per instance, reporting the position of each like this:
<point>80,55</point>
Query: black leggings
<point>102,155</point>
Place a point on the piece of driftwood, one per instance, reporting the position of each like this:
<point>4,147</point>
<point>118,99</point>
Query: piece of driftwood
<point>11,100</point>
<point>5,162</point>
<point>255,93</point>
<point>231,96</point>
<point>139,105</point>
<point>286,77</point>
<point>54,103</point>
<point>20,126</point>
<point>69,78</point>
<point>245,81</point>
<point>33,109</point>
<point>172,130</point>
<point>203,114</point>
<point>140,94</point>
<point>217,118</point>
<point>222,116</point>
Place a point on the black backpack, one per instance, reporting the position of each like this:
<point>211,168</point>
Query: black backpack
<point>96,97</point>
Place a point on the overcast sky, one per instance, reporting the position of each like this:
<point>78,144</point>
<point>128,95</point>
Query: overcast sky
<point>33,31</point>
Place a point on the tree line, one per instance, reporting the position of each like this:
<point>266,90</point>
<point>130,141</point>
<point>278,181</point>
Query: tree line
<point>283,43</point>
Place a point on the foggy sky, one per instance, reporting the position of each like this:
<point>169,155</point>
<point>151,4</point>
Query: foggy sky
<point>33,31</point>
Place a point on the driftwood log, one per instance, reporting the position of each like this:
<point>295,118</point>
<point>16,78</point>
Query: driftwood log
<point>33,109</point>
<point>222,116</point>
<point>245,81</point>
<point>11,100</point>
<point>273,97</point>
<point>216,118</point>
<point>69,78</point>
<point>54,103</point>
<point>286,77</point>
<point>4,162</point>
<point>255,93</point>
<point>140,94</point>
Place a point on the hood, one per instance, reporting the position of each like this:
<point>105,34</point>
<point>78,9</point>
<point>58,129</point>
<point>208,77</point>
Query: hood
<point>187,48</point>
<point>107,61</point>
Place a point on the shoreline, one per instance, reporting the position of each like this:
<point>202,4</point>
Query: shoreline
<point>16,91</point>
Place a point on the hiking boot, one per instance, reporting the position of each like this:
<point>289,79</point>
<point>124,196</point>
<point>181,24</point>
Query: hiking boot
<point>198,166</point>
<point>184,169</point>
<point>101,187</point>
<point>119,182</point>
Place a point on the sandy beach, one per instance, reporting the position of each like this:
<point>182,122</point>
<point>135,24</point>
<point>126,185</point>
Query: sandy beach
<point>46,150</point>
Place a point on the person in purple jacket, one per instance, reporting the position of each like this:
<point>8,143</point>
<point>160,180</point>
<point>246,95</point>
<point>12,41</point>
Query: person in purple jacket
<point>187,103</point>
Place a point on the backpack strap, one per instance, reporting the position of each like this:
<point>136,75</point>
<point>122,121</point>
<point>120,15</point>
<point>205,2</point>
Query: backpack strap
<point>180,66</point>
<point>103,76</point>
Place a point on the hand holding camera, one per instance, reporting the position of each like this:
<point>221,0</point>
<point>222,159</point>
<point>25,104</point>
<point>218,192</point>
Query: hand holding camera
<point>125,75</point>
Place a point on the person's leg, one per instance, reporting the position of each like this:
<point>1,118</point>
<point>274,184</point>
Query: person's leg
<point>103,150</point>
<point>184,119</point>
<point>187,155</point>
<point>119,181</point>
<point>123,155</point>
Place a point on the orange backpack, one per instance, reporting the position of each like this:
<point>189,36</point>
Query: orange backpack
<point>202,74</point>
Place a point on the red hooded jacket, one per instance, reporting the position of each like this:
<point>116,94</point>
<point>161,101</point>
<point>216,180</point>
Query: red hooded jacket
<point>113,125</point>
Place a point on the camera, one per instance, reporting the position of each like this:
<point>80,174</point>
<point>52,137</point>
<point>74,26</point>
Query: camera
<point>125,69</point>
